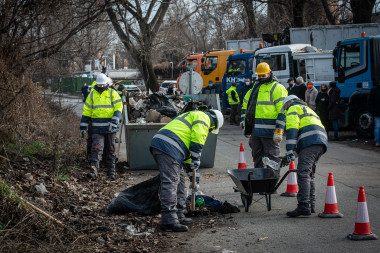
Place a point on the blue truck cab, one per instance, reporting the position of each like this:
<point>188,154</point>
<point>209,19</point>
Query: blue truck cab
<point>357,69</point>
<point>238,69</point>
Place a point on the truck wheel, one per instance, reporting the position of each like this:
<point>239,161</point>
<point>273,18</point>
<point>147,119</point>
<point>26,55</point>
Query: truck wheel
<point>363,121</point>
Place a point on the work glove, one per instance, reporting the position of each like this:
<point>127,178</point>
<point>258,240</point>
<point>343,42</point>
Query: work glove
<point>82,132</point>
<point>247,136</point>
<point>190,174</point>
<point>290,157</point>
<point>277,137</point>
<point>194,165</point>
<point>112,128</point>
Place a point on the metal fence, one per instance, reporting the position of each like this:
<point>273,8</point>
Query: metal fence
<point>70,84</point>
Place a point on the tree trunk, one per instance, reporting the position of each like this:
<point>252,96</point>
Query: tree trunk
<point>329,15</point>
<point>362,10</point>
<point>298,6</point>
<point>251,19</point>
<point>146,68</point>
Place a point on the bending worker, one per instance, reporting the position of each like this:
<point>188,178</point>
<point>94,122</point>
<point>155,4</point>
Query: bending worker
<point>264,105</point>
<point>305,135</point>
<point>181,140</point>
<point>233,101</point>
<point>102,109</point>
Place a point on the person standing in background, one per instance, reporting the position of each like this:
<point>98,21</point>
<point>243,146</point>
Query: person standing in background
<point>322,106</point>
<point>374,102</point>
<point>334,111</point>
<point>310,95</point>
<point>299,88</point>
<point>291,84</point>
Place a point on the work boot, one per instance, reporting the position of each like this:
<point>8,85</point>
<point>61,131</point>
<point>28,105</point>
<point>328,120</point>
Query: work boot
<point>312,208</point>
<point>299,212</point>
<point>186,221</point>
<point>174,228</point>
<point>111,177</point>
<point>93,172</point>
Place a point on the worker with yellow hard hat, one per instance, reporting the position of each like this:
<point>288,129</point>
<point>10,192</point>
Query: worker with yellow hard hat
<point>264,102</point>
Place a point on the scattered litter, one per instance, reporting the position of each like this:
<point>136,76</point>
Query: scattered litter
<point>262,239</point>
<point>131,229</point>
<point>142,235</point>
<point>26,159</point>
<point>101,240</point>
<point>40,188</point>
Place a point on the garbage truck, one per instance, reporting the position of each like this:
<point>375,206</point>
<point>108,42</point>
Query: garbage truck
<point>234,74</point>
<point>356,70</point>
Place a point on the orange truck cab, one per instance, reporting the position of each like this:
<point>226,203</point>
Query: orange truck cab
<point>190,61</point>
<point>213,67</point>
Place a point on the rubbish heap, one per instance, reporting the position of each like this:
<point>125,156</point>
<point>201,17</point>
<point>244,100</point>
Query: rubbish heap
<point>158,107</point>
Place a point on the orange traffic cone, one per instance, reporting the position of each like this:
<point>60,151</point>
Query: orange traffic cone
<point>292,187</point>
<point>331,204</point>
<point>362,228</point>
<point>242,164</point>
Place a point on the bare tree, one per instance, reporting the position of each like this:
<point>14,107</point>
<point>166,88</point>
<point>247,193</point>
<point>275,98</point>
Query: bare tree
<point>32,30</point>
<point>137,28</point>
<point>362,10</point>
<point>251,18</point>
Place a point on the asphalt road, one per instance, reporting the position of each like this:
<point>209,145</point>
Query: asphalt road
<point>260,230</point>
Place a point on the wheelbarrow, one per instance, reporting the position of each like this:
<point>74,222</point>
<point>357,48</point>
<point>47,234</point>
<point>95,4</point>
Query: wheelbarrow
<point>257,180</point>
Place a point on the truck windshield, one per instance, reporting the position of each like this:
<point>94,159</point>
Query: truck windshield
<point>276,62</point>
<point>191,64</point>
<point>210,64</point>
<point>349,56</point>
<point>236,68</point>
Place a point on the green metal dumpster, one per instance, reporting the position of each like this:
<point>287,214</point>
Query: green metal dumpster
<point>139,136</point>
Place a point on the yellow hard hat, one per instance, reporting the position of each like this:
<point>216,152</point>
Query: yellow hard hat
<point>262,68</point>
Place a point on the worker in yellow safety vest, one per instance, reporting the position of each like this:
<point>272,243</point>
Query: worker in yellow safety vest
<point>178,144</point>
<point>264,105</point>
<point>233,100</point>
<point>306,136</point>
<point>103,111</point>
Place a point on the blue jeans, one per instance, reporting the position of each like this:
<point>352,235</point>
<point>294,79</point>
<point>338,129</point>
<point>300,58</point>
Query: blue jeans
<point>335,124</point>
<point>377,129</point>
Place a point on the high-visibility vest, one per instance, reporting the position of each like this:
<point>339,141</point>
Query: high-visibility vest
<point>100,109</point>
<point>230,100</point>
<point>183,137</point>
<point>268,106</point>
<point>303,128</point>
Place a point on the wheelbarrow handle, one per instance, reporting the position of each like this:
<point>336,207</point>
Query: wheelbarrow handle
<point>282,179</point>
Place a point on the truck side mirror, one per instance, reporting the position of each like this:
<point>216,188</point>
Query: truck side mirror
<point>202,66</point>
<point>202,60</point>
<point>335,59</point>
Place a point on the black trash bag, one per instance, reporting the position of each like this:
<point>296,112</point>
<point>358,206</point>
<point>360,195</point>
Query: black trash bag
<point>168,111</point>
<point>141,198</point>
<point>160,102</point>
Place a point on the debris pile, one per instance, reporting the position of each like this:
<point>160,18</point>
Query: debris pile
<point>157,107</point>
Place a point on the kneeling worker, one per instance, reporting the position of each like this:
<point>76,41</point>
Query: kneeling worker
<point>305,135</point>
<point>180,140</point>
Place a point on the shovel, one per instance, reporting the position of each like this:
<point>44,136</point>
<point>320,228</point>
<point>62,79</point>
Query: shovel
<point>118,144</point>
<point>192,192</point>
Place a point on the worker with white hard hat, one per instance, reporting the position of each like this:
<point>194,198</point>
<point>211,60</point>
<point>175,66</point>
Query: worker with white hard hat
<point>102,113</point>
<point>179,144</point>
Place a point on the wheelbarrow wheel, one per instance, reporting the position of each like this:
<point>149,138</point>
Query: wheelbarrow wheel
<point>246,200</point>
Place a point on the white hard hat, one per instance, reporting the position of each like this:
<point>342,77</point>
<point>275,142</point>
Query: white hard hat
<point>219,119</point>
<point>102,79</point>
<point>287,99</point>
